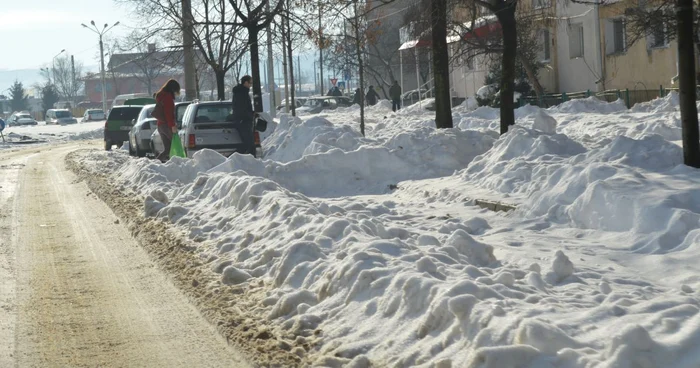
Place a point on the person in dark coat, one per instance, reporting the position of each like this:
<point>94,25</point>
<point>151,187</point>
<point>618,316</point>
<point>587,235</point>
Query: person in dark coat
<point>167,124</point>
<point>243,114</point>
<point>357,99</point>
<point>335,92</point>
<point>395,94</point>
<point>372,97</point>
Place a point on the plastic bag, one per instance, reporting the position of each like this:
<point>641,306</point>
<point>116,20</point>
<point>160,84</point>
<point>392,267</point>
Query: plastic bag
<point>176,147</point>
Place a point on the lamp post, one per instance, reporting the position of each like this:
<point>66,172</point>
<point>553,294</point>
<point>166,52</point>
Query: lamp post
<point>53,66</point>
<point>100,33</point>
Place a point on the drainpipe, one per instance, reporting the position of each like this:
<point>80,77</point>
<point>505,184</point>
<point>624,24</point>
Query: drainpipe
<point>675,78</point>
<point>601,59</point>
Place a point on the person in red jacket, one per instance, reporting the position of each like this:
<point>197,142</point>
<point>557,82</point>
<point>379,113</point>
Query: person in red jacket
<point>165,101</point>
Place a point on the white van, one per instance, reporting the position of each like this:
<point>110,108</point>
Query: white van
<point>119,100</point>
<point>60,116</point>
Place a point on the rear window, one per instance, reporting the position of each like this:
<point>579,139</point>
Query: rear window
<point>96,113</point>
<point>181,112</point>
<point>125,113</point>
<point>63,114</point>
<point>213,113</point>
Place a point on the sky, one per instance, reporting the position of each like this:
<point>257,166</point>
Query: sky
<point>34,31</point>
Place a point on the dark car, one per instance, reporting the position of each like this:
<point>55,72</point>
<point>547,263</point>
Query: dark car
<point>118,124</point>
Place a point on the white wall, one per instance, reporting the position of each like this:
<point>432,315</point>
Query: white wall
<point>578,74</point>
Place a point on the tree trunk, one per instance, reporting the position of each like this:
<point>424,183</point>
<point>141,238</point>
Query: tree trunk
<point>360,63</point>
<point>441,65</point>
<point>532,77</point>
<point>291,63</point>
<point>284,68</point>
<point>686,79</point>
<point>506,16</point>
<point>255,69</point>
<point>220,84</point>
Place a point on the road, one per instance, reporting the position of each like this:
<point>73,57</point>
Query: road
<point>76,290</point>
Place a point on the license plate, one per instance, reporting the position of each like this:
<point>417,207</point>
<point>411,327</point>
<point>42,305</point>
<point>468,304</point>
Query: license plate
<point>125,128</point>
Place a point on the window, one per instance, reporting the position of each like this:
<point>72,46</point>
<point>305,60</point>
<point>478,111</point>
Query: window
<point>658,37</point>
<point>615,36</point>
<point>538,4</point>
<point>546,42</point>
<point>576,41</point>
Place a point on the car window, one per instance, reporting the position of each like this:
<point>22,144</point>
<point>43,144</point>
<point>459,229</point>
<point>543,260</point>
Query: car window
<point>212,113</point>
<point>126,113</point>
<point>180,112</point>
<point>63,114</point>
<point>24,116</point>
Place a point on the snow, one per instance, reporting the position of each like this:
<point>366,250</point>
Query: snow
<point>53,133</point>
<point>372,250</point>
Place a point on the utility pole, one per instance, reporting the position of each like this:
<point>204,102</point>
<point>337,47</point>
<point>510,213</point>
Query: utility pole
<point>188,51</point>
<point>320,46</point>
<point>291,60</point>
<point>686,78</point>
<point>299,72</point>
<point>271,69</point>
<point>72,79</point>
<point>284,68</point>
<point>102,58</point>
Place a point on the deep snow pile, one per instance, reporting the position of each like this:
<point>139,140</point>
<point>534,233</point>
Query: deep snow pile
<point>597,267</point>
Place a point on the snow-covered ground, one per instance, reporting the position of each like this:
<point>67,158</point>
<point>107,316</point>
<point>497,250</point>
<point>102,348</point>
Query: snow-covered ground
<point>52,133</point>
<point>372,249</point>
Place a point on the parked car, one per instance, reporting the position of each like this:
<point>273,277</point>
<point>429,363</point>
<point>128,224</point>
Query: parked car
<point>210,125</point>
<point>118,125</point>
<point>156,142</point>
<point>141,130</point>
<point>299,102</point>
<point>21,119</point>
<point>93,115</point>
<point>315,105</point>
<point>60,116</point>
<point>413,96</point>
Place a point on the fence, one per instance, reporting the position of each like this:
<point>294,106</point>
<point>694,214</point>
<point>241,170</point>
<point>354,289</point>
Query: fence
<point>630,97</point>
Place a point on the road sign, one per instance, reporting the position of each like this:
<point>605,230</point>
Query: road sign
<point>334,81</point>
<point>341,85</point>
<point>347,75</point>
<point>2,125</point>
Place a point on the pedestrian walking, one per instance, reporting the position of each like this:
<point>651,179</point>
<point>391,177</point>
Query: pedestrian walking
<point>243,114</point>
<point>395,94</point>
<point>372,97</point>
<point>164,112</point>
<point>357,99</point>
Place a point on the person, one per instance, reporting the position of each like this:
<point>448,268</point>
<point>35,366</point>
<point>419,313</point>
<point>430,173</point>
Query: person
<point>371,96</point>
<point>395,93</point>
<point>357,99</point>
<point>165,101</point>
<point>335,92</point>
<point>243,114</point>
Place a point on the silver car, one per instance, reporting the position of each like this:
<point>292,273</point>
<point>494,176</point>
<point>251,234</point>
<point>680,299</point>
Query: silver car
<point>60,116</point>
<point>156,142</point>
<point>141,131</point>
<point>209,125</point>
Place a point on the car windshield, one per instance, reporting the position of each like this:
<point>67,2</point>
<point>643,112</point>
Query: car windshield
<point>212,113</point>
<point>313,103</point>
<point>63,114</point>
<point>24,116</point>
<point>124,113</point>
<point>96,113</point>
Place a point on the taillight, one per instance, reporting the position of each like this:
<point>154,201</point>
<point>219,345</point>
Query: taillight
<point>190,141</point>
<point>257,138</point>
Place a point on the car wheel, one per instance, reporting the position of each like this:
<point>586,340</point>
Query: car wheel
<point>108,146</point>
<point>139,151</point>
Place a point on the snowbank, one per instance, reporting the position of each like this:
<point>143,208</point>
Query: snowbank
<point>596,268</point>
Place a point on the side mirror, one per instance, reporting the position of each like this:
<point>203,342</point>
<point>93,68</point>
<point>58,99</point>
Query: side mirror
<point>261,125</point>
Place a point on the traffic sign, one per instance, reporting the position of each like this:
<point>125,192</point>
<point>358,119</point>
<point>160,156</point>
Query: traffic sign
<point>2,125</point>
<point>334,81</point>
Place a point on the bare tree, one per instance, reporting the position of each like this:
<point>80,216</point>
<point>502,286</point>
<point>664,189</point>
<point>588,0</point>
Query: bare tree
<point>217,32</point>
<point>66,77</point>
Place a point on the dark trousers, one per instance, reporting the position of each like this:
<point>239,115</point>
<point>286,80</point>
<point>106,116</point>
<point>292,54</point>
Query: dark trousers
<point>395,105</point>
<point>166,135</point>
<point>245,131</point>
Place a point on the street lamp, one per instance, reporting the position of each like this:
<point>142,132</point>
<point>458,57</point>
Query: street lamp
<point>100,33</point>
<point>53,66</point>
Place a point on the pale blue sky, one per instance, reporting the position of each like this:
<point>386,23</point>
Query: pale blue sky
<point>32,32</point>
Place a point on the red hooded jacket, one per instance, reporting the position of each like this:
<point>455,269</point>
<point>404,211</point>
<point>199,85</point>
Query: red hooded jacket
<point>168,101</point>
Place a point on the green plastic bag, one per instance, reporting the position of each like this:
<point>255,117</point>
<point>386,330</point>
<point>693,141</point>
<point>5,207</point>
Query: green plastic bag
<point>176,147</point>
